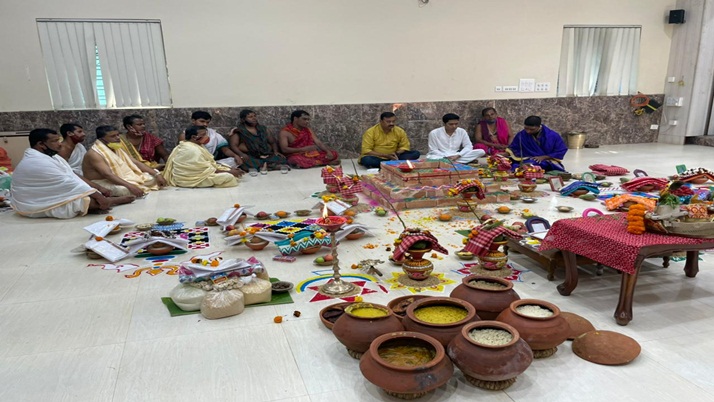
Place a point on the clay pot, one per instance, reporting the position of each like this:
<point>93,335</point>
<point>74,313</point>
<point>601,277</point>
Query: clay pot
<point>330,314</point>
<point>543,334</point>
<point>257,244</point>
<point>406,382</point>
<point>357,333</point>
<point>493,260</point>
<point>527,187</point>
<point>311,250</point>
<point>578,193</point>
<point>444,333</point>
<point>159,249</point>
<point>417,269</point>
<point>355,235</point>
<point>489,303</point>
<point>241,218</point>
<point>463,206</point>
<point>398,306</point>
<point>489,366</point>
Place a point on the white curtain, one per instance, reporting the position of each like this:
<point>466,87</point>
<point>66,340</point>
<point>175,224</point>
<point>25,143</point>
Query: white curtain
<point>599,61</point>
<point>68,50</point>
<point>131,57</point>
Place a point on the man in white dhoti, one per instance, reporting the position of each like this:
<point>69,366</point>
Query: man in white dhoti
<point>44,184</point>
<point>72,149</point>
<point>110,166</point>
<point>191,165</point>
<point>452,142</point>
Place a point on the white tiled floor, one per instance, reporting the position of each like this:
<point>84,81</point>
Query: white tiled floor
<point>76,333</point>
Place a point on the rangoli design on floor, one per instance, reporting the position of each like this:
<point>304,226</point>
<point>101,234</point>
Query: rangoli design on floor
<point>440,287</point>
<point>367,283</point>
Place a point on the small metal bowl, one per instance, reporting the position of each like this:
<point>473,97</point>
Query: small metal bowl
<point>302,212</point>
<point>528,200</point>
<point>565,208</point>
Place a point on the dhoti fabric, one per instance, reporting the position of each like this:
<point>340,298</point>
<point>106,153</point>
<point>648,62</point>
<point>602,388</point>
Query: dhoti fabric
<point>44,186</point>
<point>191,165</point>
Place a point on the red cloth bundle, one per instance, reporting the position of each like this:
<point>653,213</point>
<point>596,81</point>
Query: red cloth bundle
<point>636,183</point>
<point>481,243</point>
<point>609,170</point>
<point>413,237</point>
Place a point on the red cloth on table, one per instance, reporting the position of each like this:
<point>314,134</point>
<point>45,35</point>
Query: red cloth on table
<point>481,243</point>
<point>604,238</point>
<point>608,170</point>
<point>408,240</point>
<point>638,182</point>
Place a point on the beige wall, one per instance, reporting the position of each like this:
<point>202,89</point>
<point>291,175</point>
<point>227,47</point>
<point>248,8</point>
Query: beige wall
<point>285,52</point>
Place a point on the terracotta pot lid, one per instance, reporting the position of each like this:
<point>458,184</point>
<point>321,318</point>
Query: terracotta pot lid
<point>578,325</point>
<point>606,347</point>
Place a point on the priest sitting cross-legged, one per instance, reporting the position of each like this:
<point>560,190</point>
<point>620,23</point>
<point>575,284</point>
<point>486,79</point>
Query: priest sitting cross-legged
<point>107,164</point>
<point>191,165</point>
<point>538,145</point>
<point>44,184</point>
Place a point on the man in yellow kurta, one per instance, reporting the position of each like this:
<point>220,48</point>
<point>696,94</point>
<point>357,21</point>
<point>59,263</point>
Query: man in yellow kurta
<point>110,166</point>
<point>385,141</point>
<point>191,165</point>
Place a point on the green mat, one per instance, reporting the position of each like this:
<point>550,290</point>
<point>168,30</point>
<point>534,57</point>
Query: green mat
<point>277,298</point>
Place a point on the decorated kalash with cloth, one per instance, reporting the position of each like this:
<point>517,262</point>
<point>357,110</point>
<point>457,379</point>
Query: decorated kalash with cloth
<point>410,247</point>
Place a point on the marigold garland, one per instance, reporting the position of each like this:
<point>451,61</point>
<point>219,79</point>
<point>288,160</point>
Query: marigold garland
<point>636,219</point>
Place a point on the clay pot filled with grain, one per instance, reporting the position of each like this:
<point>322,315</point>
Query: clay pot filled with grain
<point>362,323</point>
<point>439,317</point>
<point>539,323</point>
<point>489,295</point>
<point>490,354</point>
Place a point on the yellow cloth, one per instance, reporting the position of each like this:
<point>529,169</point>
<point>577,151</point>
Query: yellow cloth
<point>121,165</point>
<point>191,165</point>
<point>131,150</point>
<point>375,139</point>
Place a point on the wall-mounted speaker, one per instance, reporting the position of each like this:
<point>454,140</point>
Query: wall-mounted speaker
<point>676,17</point>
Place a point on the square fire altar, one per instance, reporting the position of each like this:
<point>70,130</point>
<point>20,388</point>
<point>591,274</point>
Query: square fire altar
<point>426,185</point>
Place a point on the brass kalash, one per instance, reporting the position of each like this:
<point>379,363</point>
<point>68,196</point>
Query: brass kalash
<point>336,287</point>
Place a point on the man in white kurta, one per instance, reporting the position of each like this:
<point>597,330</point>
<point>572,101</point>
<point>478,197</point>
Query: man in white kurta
<point>44,185</point>
<point>452,142</point>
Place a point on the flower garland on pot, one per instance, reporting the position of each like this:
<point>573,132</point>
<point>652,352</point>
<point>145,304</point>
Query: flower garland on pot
<point>636,219</point>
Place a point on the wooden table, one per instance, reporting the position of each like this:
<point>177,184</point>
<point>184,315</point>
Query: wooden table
<point>605,239</point>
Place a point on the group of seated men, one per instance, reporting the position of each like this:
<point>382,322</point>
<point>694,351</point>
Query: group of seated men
<point>58,177</point>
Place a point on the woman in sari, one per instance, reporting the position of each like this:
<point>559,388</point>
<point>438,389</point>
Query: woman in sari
<point>492,133</point>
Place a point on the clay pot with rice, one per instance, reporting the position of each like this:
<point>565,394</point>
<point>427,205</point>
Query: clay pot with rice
<point>489,295</point>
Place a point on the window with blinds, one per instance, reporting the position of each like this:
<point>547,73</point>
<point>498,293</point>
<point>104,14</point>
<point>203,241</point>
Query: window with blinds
<point>596,60</point>
<point>104,64</point>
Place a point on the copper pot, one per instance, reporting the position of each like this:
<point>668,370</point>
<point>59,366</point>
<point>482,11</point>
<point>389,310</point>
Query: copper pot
<point>356,333</point>
<point>488,302</point>
<point>492,367</point>
<point>406,382</point>
<point>541,333</point>
<point>444,333</point>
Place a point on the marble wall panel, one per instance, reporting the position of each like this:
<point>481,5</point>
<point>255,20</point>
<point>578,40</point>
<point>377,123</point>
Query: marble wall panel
<point>606,120</point>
